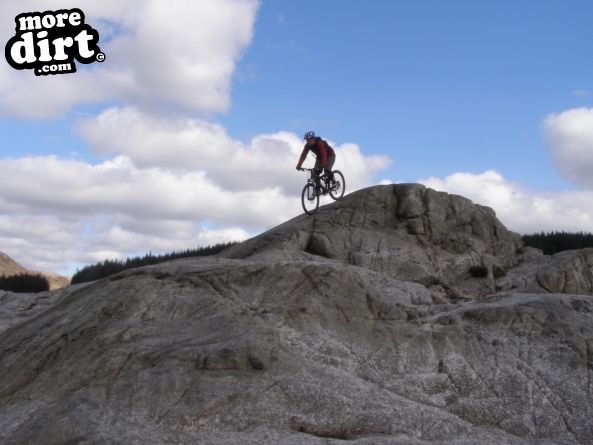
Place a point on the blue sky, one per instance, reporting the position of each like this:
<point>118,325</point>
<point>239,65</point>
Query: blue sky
<point>439,86</point>
<point>491,100</point>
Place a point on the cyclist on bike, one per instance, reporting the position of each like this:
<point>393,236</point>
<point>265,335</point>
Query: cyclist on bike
<point>323,152</point>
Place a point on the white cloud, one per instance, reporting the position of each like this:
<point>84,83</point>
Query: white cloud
<point>72,212</point>
<point>179,52</point>
<point>179,143</point>
<point>119,242</point>
<point>520,209</point>
<point>48,184</point>
<point>173,142</point>
<point>39,242</point>
<point>570,137</point>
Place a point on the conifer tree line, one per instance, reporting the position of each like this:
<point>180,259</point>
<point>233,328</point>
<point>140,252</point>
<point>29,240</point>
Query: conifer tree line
<point>554,242</point>
<point>109,267</point>
<point>24,282</point>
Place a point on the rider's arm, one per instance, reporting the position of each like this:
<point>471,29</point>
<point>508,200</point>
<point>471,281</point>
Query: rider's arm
<point>303,156</point>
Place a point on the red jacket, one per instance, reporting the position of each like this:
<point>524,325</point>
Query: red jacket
<point>321,149</point>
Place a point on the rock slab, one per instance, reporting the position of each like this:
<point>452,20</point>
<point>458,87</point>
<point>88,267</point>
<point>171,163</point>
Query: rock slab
<point>312,333</point>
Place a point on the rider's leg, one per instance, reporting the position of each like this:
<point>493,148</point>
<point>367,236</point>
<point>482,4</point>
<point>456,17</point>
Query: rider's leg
<point>330,164</point>
<point>317,167</point>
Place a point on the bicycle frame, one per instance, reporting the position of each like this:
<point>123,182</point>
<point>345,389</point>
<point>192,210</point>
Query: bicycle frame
<point>322,183</point>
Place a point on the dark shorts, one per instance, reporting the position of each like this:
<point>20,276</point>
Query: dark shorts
<point>330,162</point>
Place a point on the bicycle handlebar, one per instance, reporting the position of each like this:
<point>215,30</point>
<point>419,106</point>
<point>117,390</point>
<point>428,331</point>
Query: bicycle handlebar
<point>312,169</point>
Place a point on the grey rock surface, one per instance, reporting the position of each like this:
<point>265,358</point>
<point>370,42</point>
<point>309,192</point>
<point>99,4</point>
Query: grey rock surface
<point>17,308</point>
<point>569,271</point>
<point>404,230</point>
<point>303,336</point>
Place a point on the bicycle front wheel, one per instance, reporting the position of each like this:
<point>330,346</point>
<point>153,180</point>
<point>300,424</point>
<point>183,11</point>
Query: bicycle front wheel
<point>309,199</point>
<point>337,189</point>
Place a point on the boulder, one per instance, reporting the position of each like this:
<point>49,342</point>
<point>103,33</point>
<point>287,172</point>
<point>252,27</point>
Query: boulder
<point>407,231</point>
<point>570,272</point>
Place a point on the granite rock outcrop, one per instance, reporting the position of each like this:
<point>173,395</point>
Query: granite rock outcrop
<point>363,324</point>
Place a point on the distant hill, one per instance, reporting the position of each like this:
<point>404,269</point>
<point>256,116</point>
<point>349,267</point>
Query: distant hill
<point>10,267</point>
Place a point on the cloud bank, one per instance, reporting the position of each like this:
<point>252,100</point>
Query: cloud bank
<point>520,209</point>
<point>569,136</point>
<point>178,53</point>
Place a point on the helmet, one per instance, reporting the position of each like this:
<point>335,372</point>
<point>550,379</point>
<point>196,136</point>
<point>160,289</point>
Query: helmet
<point>309,135</point>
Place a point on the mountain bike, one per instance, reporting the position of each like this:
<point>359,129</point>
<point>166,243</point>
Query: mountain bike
<point>311,192</point>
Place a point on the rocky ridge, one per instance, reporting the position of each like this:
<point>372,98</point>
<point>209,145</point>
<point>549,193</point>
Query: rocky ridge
<point>360,324</point>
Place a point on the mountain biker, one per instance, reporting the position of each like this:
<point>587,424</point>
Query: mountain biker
<point>323,152</point>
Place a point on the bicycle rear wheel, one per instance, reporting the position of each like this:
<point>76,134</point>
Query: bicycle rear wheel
<point>338,188</point>
<point>309,199</point>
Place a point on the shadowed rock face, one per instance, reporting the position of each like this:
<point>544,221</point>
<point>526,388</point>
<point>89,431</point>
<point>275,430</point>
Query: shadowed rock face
<point>296,337</point>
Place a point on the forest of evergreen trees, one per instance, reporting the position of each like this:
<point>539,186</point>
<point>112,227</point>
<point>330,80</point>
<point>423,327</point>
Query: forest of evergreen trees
<point>554,242</point>
<point>110,267</point>
<point>24,283</point>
